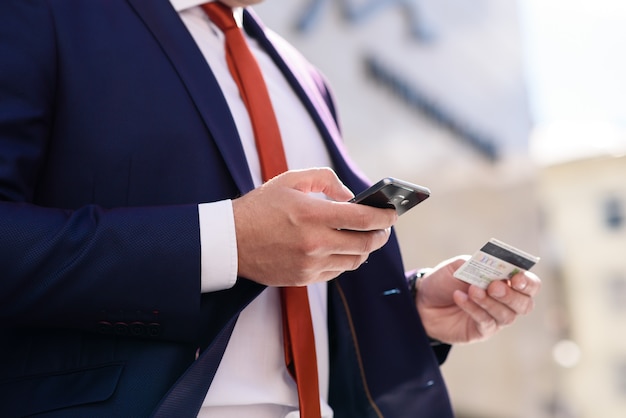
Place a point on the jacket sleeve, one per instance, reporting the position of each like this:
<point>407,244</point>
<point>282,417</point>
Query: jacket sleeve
<point>89,267</point>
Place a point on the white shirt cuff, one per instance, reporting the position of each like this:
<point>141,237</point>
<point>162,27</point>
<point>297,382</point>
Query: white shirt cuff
<point>218,246</point>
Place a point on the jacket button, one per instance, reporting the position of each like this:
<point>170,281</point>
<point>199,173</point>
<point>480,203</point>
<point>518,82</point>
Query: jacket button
<point>138,329</point>
<point>104,327</point>
<point>154,329</point>
<point>121,328</point>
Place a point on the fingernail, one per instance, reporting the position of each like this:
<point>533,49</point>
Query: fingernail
<point>520,285</point>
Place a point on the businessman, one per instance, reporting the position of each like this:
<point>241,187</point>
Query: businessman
<point>145,251</point>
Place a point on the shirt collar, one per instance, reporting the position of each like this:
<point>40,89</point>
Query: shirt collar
<point>180,5</point>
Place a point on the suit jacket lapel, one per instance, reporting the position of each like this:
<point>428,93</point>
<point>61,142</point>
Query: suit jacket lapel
<point>308,85</point>
<point>168,29</point>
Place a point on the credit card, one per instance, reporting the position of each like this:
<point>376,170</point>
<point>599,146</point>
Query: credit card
<point>494,261</point>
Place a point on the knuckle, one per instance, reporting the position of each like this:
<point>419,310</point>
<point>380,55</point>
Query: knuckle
<point>508,320</point>
<point>354,262</point>
<point>302,215</point>
<point>308,246</point>
<point>365,218</point>
<point>488,326</point>
<point>368,242</point>
<point>361,221</point>
<point>358,261</point>
<point>307,265</point>
<point>303,277</point>
<point>374,240</point>
<point>326,171</point>
<point>528,307</point>
<point>303,267</point>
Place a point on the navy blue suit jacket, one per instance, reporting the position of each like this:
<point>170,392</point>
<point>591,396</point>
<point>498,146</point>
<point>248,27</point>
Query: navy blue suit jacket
<point>112,130</point>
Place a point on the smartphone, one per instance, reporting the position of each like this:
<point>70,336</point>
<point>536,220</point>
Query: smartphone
<point>393,193</point>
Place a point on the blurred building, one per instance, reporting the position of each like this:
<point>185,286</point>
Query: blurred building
<point>576,84</point>
<point>583,195</point>
<point>433,92</point>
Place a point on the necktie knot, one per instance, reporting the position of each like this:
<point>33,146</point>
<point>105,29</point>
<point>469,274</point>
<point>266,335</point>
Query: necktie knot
<point>221,15</point>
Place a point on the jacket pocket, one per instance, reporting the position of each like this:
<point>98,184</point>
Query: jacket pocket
<point>41,393</point>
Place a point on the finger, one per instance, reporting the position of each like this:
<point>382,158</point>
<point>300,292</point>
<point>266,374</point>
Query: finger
<point>516,301</point>
<point>347,252</point>
<point>360,242</point>
<point>485,323</point>
<point>527,283</point>
<point>327,269</point>
<point>501,312</point>
<point>340,263</point>
<point>317,180</point>
<point>356,217</point>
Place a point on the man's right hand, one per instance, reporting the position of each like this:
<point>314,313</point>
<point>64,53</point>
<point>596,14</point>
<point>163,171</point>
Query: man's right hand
<point>285,237</point>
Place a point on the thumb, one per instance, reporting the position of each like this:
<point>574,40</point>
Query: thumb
<point>317,180</point>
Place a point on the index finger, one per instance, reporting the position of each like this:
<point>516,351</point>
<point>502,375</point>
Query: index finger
<point>357,217</point>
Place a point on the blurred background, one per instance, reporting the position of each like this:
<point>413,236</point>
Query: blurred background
<point>513,113</point>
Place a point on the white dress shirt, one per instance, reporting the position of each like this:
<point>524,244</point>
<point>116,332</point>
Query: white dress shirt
<point>252,379</point>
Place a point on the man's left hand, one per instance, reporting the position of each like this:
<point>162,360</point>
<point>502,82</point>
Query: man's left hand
<point>452,311</point>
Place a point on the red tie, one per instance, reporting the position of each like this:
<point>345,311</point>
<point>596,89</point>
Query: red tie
<point>297,325</point>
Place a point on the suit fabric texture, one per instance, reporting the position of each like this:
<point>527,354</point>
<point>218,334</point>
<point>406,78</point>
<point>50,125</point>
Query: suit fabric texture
<point>112,130</point>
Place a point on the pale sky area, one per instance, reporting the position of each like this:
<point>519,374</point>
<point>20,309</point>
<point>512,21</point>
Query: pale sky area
<point>576,75</point>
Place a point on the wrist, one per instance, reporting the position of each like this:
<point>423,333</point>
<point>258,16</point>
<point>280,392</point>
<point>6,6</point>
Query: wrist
<point>414,282</point>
